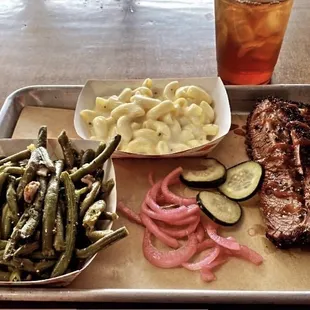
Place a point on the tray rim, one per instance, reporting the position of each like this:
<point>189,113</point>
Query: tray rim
<point>14,93</point>
<point>156,296</point>
<point>150,295</point>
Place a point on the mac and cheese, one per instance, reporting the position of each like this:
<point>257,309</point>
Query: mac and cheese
<point>180,119</point>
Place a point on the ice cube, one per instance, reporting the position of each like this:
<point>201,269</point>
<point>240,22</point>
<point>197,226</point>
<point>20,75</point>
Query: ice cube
<point>242,32</point>
<point>274,23</point>
<point>248,47</point>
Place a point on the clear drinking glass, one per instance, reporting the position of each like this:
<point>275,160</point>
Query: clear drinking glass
<point>249,37</point>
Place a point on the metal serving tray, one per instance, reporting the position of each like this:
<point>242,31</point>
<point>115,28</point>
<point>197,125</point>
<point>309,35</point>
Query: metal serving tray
<point>242,99</point>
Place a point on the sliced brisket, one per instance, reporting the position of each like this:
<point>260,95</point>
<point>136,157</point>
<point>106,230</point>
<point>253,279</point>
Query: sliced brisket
<point>278,137</point>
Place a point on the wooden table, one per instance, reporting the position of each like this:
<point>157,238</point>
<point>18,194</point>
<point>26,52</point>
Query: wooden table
<point>69,41</point>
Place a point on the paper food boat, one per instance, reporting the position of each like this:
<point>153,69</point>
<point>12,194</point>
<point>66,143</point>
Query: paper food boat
<point>11,146</point>
<point>105,88</point>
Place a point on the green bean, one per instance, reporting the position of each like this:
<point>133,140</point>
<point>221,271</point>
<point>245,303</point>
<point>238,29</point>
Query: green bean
<point>44,265</point>
<point>87,157</point>
<point>7,165</point>
<point>45,159</point>
<point>39,255</point>
<point>42,137</point>
<point>19,263</point>
<point>97,234</point>
<point>6,222</point>
<point>27,177</point>
<point>15,276</point>
<point>80,192</point>
<point>3,177</point>
<point>67,149</point>
<point>3,244</point>
<point>15,236</point>
<point>35,211</point>
<point>23,264</point>
<point>107,188</point>
<point>12,200</point>
<point>101,147</point>
<point>92,214</point>
<point>50,208</point>
<point>22,163</point>
<point>37,235</point>
<point>27,249</point>
<point>59,242</point>
<point>30,226</point>
<point>105,215</point>
<point>71,228</point>
<point>15,170</point>
<point>90,198</point>
<point>25,154</point>
<point>99,174</point>
<point>102,243</point>
<point>4,275</point>
<point>97,162</point>
<point>78,158</point>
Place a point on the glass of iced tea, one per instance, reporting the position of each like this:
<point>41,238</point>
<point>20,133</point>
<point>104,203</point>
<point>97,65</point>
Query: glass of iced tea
<point>249,37</point>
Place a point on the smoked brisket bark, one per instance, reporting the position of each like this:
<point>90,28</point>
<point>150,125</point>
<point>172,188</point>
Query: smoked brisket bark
<point>276,135</point>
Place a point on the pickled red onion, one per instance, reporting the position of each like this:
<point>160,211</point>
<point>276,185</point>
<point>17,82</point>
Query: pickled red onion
<point>130,214</point>
<point>171,197</point>
<point>169,259</point>
<point>185,221</point>
<point>205,261</point>
<point>207,275</point>
<point>162,236</point>
<point>248,254</point>
<point>224,242</point>
<point>205,244</point>
<point>168,216</point>
<point>181,233</point>
<point>200,232</point>
<point>218,261</point>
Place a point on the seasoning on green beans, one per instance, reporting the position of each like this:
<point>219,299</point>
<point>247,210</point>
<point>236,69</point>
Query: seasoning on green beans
<point>102,243</point>
<point>71,228</point>
<point>50,209</point>
<point>90,198</point>
<point>59,241</point>
<point>11,199</point>
<point>97,234</point>
<point>98,161</point>
<point>27,249</point>
<point>67,149</point>
<point>6,222</point>
<point>93,213</point>
<point>16,157</point>
<point>35,211</point>
<point>42,137</point>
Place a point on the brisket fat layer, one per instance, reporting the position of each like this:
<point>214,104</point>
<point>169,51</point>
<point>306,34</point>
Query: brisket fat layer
<point>278,137</point>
